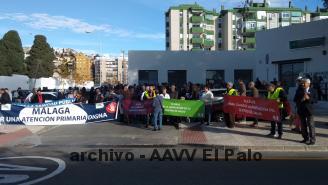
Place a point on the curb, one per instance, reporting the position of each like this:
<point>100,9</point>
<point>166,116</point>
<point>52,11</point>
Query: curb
<point>219,147</point>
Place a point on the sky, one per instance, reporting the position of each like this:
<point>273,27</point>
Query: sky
<point>103,26</point>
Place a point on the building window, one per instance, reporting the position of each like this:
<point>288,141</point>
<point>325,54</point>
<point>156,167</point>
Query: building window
<point>261,25</point>
<point>285,24</point>
<point>244,74</point>
<point>215,78</point>
<point>177,77</point>
<point>289,72</point>
<point>306,43</point>
<point>148,76</point>
<point>285,15</point>
<point>250,25</point>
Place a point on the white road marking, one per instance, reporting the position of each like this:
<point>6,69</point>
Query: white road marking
<point>9,167</point>
<point>61,167</point>
<point>10,178</point>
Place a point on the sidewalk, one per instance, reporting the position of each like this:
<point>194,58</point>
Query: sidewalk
<point>244,137</point>
<point>114,134</point>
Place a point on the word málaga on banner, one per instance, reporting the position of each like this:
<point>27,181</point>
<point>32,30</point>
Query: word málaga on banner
<point>53,103</point>
<point>252,107</point>
<point>67,114</point>
<point>179,108</point>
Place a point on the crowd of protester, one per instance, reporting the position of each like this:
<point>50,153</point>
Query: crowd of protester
<point>304,98</point>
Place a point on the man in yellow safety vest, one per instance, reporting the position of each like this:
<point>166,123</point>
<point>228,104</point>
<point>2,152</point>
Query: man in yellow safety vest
<point>228,117</point>
<point>278,94</point>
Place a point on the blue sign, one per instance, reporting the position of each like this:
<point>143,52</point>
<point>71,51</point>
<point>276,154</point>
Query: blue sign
<point>64,114</point>
<point>53,103</point>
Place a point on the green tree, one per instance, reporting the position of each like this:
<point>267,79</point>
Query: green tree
<point>63,69</point>
<point>325,3</point>
<point>11,54</point>
<point>40,62</point>
<point>5,69</point>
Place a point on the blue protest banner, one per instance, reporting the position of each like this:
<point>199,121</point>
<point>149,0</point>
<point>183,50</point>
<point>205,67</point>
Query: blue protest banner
<point>53,103</point>
<point>66,114</point>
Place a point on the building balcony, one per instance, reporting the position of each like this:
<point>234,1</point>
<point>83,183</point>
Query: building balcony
<point>208,43</point>
<point>209,21</point>
<point>196,19</point>
<point>250,30</point>
<point>196,40</point>
<point>197,49</point>
<point>196,30</point>
<point>249,40</point>
<point>209,32</point>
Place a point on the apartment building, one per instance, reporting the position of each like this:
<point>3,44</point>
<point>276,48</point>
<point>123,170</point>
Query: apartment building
<point>82,68</point>
<point>110,70</point>
<point>190,27</point>
<point>237,26</point>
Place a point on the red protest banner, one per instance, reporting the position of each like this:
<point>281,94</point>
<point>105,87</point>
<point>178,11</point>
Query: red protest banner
<point>252,107</point>
<point>135,107</point>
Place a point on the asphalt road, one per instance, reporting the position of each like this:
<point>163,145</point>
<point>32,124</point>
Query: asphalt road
<point>65,166</point>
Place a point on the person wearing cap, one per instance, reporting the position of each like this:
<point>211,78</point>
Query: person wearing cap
<point>305,100</point>
<point>278,94</point>
<point>228,117</point>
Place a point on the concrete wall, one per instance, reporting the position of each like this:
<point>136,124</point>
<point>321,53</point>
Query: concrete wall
<point>196,63</point>
<point>275,44</point>
<point>15,81</point>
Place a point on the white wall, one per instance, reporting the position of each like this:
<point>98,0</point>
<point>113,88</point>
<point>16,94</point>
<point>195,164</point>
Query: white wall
<point>195,63</point>
<point>275,43</point>
<point>15,81</point>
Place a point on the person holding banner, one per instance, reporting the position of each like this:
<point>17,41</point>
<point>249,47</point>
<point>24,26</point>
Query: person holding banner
<point>99,98</point>
<point>278,94</point>
<point>38,97</point>
<point>228,117</point>
<point>150,94</point>
<point>255,94</point>
<point>158,111</point>
<point>5,97</point>
<point>207,97</point>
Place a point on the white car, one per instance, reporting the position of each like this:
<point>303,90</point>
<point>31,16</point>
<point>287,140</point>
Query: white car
<point>218,94</point>
<point>49,97</point>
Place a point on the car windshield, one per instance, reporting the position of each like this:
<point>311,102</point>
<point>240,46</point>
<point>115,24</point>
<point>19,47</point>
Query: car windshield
<point>218,93</point>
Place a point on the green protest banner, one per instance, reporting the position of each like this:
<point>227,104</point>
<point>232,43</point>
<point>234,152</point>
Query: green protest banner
<point>184,108</point>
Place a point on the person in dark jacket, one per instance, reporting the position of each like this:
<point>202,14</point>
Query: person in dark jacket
<point>298,92</point>
<point>305,100</point>
<point>38,97</point>
<point>5,97</point>
<point>241,88</point>
<point>254,92</point>
<point>99,98</point>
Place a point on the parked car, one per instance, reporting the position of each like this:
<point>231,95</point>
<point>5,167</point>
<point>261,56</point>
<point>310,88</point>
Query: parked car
<point>49,97</point>
<point>21,96</point>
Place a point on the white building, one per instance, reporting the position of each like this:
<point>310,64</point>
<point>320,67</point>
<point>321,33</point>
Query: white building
<point>282,53</point>
<point>190,27</point>
<point>110,70</point>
